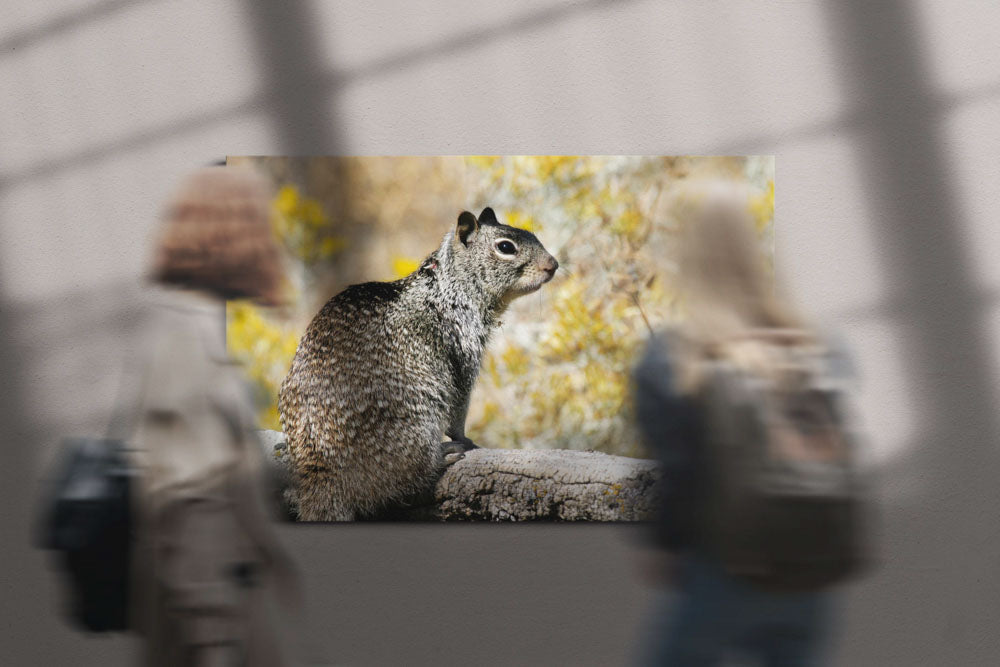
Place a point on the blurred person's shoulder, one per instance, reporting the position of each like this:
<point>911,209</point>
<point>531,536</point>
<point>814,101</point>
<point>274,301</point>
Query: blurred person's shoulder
<point>185,321</point>
<point>185,348</point>
<point>655,361</point>
<point>665,343</point>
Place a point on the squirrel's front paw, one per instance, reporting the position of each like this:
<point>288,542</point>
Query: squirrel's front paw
<point>466,443</point>
<point>452,452</point>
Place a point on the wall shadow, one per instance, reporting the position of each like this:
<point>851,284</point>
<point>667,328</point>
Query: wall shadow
<point>75,337</point>
<point>936,546</point>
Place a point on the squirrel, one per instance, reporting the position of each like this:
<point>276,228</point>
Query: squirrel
<point>385,370</point>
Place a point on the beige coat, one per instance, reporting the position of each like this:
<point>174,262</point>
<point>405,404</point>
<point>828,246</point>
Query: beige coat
<point>206,555</point>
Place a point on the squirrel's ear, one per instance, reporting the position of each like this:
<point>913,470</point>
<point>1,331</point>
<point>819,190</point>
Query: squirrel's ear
<point>467,227</point>
<point>488,217</point>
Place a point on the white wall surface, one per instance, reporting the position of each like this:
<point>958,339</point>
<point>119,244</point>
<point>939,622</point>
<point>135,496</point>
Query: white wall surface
<point>885,122</point>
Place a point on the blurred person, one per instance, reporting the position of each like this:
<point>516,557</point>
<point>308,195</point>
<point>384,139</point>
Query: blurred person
<point>733,314</point>
<point>206,556</point>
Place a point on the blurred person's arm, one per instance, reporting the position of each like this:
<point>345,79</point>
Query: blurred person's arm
<point>667,423</point>
<point>841,360</point>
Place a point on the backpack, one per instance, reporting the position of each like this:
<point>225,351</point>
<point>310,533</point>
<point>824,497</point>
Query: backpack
<point>88,522</point>
<point>88,519</point>
<point>783,498</point>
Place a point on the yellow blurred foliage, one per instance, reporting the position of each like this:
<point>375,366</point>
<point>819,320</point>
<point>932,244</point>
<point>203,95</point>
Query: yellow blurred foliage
<point>404,266</point>
<point>762,207</point>
<point>518,219</point>
<point>303,228</point>
<point>265,348</point>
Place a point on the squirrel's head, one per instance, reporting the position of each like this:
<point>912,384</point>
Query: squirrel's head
<point>509,262</point>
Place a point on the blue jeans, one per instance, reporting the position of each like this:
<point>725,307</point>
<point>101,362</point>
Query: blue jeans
<point>713,617</point>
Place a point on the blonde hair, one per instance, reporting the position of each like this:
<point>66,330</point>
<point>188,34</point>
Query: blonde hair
<point>726,288</point>
<point>217,238</point>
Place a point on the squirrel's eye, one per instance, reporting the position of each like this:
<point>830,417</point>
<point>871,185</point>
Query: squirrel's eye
<point>506,247</point>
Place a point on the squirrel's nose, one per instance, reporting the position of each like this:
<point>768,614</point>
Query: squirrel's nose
<point>551,266</point>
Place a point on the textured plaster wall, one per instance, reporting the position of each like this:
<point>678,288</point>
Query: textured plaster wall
<point>883,118</point>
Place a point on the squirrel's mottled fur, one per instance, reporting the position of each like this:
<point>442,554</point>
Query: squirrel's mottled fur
<point>384,372</point>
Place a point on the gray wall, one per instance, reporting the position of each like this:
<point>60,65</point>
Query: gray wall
<point>883,117</point>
